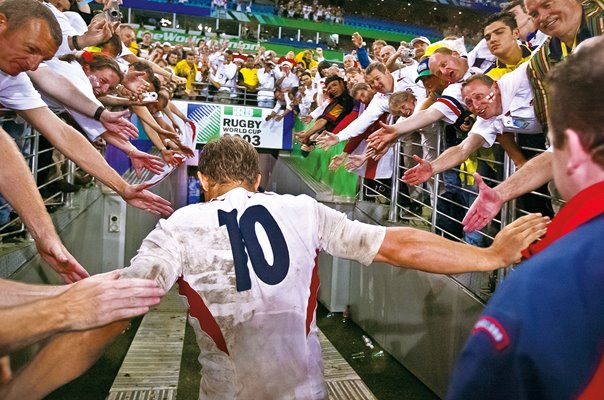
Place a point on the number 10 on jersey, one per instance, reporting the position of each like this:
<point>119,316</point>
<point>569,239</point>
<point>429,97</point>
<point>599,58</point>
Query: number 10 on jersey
<point>244,243</point>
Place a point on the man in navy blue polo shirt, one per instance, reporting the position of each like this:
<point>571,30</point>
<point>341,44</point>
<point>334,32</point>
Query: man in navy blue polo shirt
<point>542,334</point>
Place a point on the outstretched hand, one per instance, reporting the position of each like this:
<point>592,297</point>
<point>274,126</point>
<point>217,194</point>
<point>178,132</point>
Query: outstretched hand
<point>104,298</point>
<point>138,196</point>
<point>484,208</point>
<point>356,161</point>
<point>381,139</point>
<point>59,259</point>
<point>337,160</point>
<point>419,173</point>
<point>115,121</point>
<point>141,160</point>
<point>517,236</point>
<point>327,139</point>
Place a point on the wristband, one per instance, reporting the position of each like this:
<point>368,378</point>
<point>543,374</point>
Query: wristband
<point>98,112</point>
<point>74,42</point>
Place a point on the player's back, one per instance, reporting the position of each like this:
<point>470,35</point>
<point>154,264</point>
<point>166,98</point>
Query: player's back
<point>246,263</point>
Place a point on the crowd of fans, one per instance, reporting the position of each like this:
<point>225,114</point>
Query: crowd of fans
<point>311,12</point>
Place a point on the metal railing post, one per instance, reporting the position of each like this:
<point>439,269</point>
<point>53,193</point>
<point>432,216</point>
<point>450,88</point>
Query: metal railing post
<point>395,185</point>
<point>436,186</point>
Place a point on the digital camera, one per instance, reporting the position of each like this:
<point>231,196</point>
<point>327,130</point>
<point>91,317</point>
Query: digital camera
<point>150,96</point>
<point>113,13</point>
<point>407,53</point>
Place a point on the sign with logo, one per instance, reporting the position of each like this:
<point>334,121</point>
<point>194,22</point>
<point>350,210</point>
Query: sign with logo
<point>214,120</point>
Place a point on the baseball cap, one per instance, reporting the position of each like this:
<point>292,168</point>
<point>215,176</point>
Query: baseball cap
<point>423,69</point>
<point>421,39</point>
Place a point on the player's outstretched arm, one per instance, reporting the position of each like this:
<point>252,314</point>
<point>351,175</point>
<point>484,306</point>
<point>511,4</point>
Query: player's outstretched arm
<point>425,251</point>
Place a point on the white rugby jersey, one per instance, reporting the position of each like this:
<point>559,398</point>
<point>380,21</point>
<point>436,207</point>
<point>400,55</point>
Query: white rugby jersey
<point>246,264</point>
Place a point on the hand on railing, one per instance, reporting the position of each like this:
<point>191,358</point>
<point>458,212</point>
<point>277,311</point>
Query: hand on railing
<point>337,160</point>
<point>517,236</point>
<point>141,160</point>
<point>419,173</point>
<point>115,122</point>
<point>137,196</point>
<point>485,207</point>
<point>327,139</point>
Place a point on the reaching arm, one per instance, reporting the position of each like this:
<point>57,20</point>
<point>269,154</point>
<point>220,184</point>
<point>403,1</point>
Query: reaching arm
<point>74,146</point>
<point>19,189</point>
<point>90,303</point>
<point>62,89</point>
<point>452,157</point>
<point>535,173</point>
<point>389,133</point>
<point>425,251</point>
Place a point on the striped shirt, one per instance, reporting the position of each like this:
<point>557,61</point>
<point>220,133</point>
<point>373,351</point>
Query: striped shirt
<point>551,53</point>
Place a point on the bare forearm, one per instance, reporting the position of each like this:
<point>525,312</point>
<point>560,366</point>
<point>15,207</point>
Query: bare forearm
<point>18,293</point>
<point>28,323</point>
<point>418,120</point>
<point>74,146</point>
<point>63,359</point>
<point>153,136</point>
<point>145,116</point>
<point>62,89</point>
<point>455,155</point>
<point>317,126</point>
<point>115,101</point>
<point>425,251</point>
<point>535,173</point>
<point>176,111</point>
<point>19,189</point>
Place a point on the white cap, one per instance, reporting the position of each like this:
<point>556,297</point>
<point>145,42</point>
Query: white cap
<point>421,39</point>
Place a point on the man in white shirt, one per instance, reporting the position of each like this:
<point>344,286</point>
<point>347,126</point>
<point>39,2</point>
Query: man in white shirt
<point>266,84</point>
<point>448,65</point>
<point>501,106</point>
<point>225,79</point>
<point>246,263</point>
<point>286,79</point>
<point>384,83</point>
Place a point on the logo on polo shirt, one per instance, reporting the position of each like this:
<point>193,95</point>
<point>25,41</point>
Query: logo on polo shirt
<point>494,330</point>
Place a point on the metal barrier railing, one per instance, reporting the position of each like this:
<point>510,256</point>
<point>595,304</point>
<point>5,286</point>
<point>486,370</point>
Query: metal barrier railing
<point>206,92</point>
<point>46,170</point>
<point>444,201</point>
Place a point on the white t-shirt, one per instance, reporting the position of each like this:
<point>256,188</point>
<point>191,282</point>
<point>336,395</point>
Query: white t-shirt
<point>121,61</point>
<point>75,73</point>
<point>246,263</point>
<point>18,93</point>
<point>66,30</point>
<point>518,114</point>
<point>290,81</point>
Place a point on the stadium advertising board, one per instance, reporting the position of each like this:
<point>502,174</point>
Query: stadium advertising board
<point>213,120</point>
